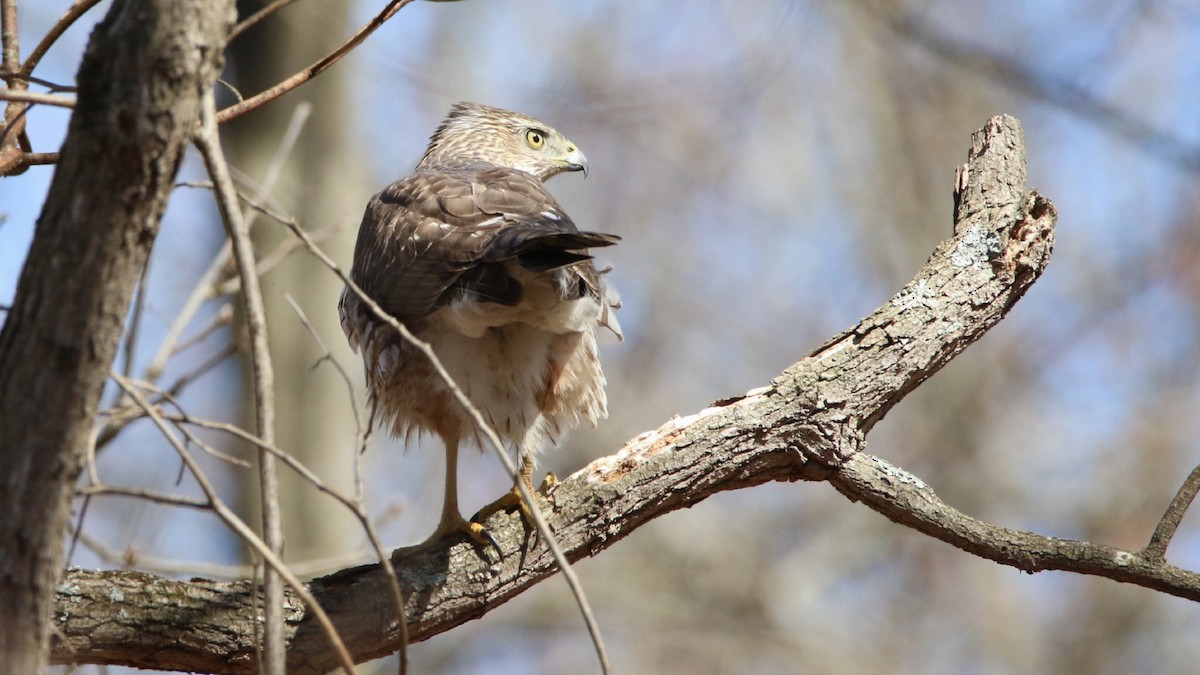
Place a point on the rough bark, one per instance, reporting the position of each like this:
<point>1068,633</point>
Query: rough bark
<point>140,87</point>
<point>809,423</point>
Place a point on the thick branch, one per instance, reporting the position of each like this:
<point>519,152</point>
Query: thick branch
<point>808,424</point>
<point>141,82</point>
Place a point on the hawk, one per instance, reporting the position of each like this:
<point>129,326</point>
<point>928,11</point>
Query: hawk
<point>473,255</point>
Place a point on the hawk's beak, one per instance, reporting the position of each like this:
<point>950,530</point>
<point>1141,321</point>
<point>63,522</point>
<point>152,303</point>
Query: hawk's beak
<point>575,161</point>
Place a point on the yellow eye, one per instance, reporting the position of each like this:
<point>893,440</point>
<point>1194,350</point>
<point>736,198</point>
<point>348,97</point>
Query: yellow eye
<point>535,138</point>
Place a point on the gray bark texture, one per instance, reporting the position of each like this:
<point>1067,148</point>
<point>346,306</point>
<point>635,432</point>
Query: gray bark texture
<point>809,423</point>
<point>140,87</point>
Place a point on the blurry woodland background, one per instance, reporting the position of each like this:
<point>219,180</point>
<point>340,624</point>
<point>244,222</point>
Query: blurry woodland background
<point>776,170</point>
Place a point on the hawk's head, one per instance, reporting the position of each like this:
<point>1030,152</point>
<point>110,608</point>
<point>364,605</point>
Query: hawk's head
<point>474,134</point>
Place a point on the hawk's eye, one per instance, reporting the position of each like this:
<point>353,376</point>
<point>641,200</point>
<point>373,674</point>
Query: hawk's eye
<point>535,138</point>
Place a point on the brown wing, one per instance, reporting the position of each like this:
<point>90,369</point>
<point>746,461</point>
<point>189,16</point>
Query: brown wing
<point>438,236</point>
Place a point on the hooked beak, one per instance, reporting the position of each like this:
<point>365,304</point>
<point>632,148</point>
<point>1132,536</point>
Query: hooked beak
<point>575,161</point>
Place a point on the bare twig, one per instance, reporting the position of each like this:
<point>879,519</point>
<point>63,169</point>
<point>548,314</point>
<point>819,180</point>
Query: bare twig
<point>10,48</point>
<point>223,318</point>
<point>64,22</point>
<point>1165,530</point>
<point>209,143</point>
<point>264,97</point>
<point>39,158</point>
<point>202,291</point>
<point>254,18</point>
<point>280,253</point>
<point>240,433</point>
<point>118,417</point>
<point>196,373</point>
<point>23,96</point>
<point>41,81</point>
<point>127,414</point>
<point>135,322</point>
<point>10,43</point>
<point>207,287</point>
<point>78,530</point>
<point>14,144</point>
<point>143,493</point>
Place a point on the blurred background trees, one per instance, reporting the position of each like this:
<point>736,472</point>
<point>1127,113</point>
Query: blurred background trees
<point>776,172</point>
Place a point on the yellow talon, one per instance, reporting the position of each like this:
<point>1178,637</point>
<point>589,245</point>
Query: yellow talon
<point>513,497</point>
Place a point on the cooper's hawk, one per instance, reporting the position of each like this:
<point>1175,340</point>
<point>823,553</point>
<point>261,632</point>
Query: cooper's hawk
<point>474,256</point>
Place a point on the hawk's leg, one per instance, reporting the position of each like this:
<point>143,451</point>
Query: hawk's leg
<point>513,497</point>
<point>452,521</point>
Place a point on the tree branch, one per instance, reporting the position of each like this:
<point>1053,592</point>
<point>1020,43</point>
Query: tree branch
<point>141,80</point>
<point>907,500</point>
<point>808,424</point>
<point>208,141</point>
<point>263,97</point>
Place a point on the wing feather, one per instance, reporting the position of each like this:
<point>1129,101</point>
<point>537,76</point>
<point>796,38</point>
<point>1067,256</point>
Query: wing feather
<point>437,236</point>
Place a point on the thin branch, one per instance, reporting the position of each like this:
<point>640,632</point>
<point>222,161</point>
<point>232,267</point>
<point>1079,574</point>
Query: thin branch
<point>186,379</point>
<point>264,97</point>
<point>207,286</point>
<point>14,143</point>
<point>288,460</point>
<point>907,500</point>
<point>118,418</point>
<point>201,292</point>
<point>64,22</point>
<point>1165,530</point>
<point>209,143</point>
<point>254,18</point>
<point>145,494</point>
<point>39,158</point>
<point>281,252</point>
<point>130,413</point>
<point>135,321</point>
<point>327,357</point>
<point>10,41</point>
<point>36,97</point>
<point>49,84</point>
<point>78,530</point>
<point>23,96</point>
<point>222,319</point>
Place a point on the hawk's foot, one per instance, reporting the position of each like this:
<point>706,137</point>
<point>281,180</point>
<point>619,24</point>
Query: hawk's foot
<point>456,524</point>
<point>513,498</point>
<point>510,499</point>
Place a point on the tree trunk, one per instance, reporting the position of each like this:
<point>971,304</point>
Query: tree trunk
<point>140,89</point>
